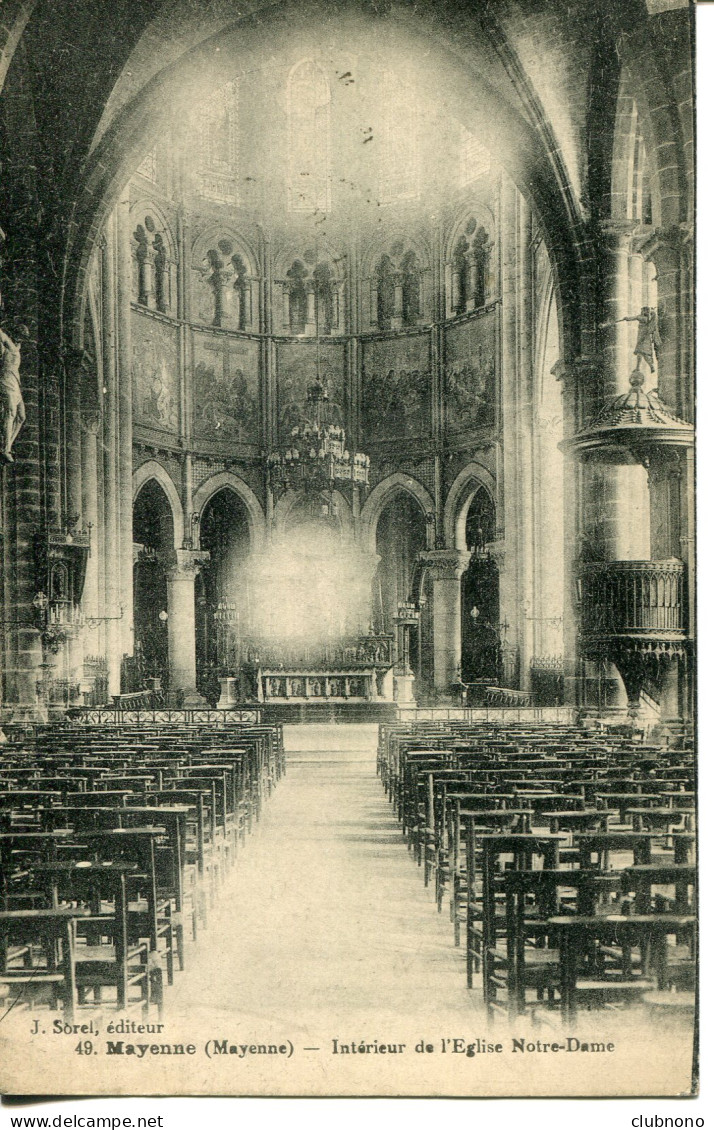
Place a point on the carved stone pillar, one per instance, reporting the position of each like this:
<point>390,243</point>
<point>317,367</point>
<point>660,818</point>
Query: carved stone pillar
<point>446,567</point>
<point>310,323</point>
<point>110,440</point>
<point>617,344</point>
<point>398,315</point>
<point>124,560</point>
<point>181,576</point>
<point>147,294</point>
<point>473,261</point>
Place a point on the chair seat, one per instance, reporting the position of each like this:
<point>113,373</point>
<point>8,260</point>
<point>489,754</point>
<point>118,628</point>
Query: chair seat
<point>33,976</point>
<point>614,990</point>
<point>104,954</point>
<point>536,961</point>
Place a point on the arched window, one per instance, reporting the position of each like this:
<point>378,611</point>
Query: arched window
<point>471,281</point>
<point>218,121</point>
<point>323,297</point>
<point>411,288</point>
<point>641,194</point>
<point>297,300</point>
<point>461,275</point>
<point>385,293</point>
<point>309,139</point>
<point>398,135</point>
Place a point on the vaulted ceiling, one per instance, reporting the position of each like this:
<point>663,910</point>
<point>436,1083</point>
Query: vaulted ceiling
<point>88,83</point>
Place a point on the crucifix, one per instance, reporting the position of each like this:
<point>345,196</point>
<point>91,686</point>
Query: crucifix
<point>224,346</point>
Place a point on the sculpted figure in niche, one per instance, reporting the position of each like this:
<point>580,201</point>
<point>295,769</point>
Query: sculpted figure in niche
<point>12,406</point>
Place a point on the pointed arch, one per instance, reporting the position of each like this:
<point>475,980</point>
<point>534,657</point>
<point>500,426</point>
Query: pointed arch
<point>227,480</point>
<point>382,495</point>
<point>214,233</point>
<point>154,470</point>
<point>472,478</point>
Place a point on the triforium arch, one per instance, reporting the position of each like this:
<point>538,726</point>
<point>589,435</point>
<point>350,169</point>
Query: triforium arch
<point>154,470</point>
<point>382,495</point>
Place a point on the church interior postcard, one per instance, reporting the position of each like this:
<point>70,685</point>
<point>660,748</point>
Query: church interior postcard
<point>347,529</point>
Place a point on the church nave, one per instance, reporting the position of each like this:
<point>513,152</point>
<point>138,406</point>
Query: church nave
<point>325,914</point>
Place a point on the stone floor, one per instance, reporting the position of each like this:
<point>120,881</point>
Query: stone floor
<point>326,916</point>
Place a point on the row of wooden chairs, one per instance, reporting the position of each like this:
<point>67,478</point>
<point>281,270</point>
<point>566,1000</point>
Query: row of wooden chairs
<point>534,831</point>
<point>112,849</point>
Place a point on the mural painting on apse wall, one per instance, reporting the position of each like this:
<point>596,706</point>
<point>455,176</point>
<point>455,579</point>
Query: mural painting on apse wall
<point>155,374</point>
<point>396,388</point>
<point>296,371</point>
<point>470,374</point>
<point>226,389</point>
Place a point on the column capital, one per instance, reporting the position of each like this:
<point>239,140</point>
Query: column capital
<point>619,229</point>
<point>185,564</point>
<point>445,564</point>
<point>90,422</point>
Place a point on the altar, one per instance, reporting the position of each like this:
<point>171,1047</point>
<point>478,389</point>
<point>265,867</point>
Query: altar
<point>356,671</point>
<point>358,685</point>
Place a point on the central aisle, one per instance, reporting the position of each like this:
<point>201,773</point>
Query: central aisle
<point>325,918</point>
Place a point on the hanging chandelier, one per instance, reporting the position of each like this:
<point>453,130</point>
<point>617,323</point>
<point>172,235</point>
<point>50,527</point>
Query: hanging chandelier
<point>314,457</point>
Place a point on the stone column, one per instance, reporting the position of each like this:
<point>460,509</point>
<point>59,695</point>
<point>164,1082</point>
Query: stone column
<point>617,303</point>
<point>473,280</point>
<point>124,404</point>
<point>75,368</point>
<point>90,512</point>
<point>398,316</point>
<point>626,496</point>
<point>181,576</point>
<point>446,567</point>
<point>311,306</point>
<point>517,576</point>
<point>110,474</point>
<point>669,252</point>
